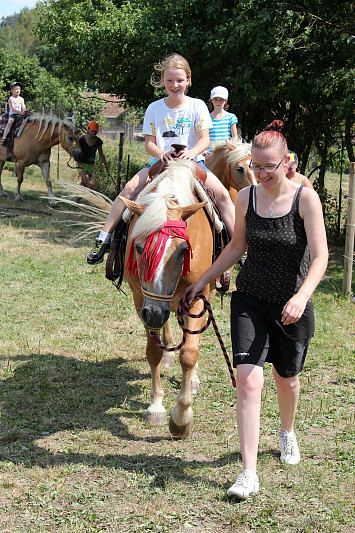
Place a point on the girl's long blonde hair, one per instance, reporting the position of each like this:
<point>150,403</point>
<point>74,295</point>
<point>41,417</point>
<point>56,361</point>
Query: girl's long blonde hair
<point>171,61</point>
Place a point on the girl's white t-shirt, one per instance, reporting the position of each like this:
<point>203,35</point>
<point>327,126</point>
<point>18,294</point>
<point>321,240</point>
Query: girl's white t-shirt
<point>176,126</point>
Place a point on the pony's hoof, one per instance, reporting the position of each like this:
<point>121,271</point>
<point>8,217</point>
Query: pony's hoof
<point>167,359</point>
<point>3,193</point>
<point>195,387</point>
<point>156,419</point>
<point>53,204</point>
<point>18,198</point>
<point>180,431</point>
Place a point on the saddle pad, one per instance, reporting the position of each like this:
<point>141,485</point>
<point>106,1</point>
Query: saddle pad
<point>160,166</point>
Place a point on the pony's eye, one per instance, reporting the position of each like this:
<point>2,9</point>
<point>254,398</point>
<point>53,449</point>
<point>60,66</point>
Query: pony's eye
<point>182,249</point>
<point>139,248</point>
<point>71,139</point>
<point>240,169</point>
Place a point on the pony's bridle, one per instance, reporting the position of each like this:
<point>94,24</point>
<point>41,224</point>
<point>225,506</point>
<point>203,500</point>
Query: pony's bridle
<point>160,297</point>
<point>171,229</point>
<point>70,148</point>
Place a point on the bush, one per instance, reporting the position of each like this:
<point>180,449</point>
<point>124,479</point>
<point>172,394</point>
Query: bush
<point>330,212</point>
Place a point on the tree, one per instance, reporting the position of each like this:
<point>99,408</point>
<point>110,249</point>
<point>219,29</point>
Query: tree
<point>290,61</point>
<point>16,32</point>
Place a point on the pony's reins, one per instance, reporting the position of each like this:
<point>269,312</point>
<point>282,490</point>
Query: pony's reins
<point>183,306</point>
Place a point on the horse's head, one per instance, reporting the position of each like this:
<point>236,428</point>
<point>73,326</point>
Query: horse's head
<point>70,142</point>
<point>159,259</point>
<point>239,158</point>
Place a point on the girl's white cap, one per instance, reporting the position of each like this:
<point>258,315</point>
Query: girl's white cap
<point>219,92</point>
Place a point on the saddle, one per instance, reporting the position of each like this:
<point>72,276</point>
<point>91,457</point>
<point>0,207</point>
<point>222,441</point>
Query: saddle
<point>160,166</point>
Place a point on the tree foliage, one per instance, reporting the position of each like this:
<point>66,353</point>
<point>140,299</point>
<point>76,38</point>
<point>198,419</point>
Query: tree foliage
<point>291,61</point>
<point>23,58</point>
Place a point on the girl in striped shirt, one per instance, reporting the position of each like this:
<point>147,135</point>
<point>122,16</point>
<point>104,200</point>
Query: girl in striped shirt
<point>224,123</point>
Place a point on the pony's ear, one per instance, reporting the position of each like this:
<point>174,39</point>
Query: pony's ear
<point>230,145</point>
<point>132,206</point>
<point>190,210</point>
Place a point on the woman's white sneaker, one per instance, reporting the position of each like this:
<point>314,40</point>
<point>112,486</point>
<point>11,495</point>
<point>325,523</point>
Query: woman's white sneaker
<point>290,453</point>
<point>247,483</point>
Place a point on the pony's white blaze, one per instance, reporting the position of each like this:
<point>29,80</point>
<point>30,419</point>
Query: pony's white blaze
<point>158,277</point>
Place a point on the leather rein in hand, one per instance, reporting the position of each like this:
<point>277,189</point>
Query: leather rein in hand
<point>183,306</point>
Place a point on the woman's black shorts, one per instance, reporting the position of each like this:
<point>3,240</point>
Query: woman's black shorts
<point>258,335</point>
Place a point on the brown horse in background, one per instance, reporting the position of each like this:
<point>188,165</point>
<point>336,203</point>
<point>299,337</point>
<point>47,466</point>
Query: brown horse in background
<point>156,212</point>
<point>230,163</point>
<point>33,147</point>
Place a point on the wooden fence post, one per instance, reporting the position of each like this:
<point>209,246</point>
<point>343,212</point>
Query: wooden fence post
<point>120,157</point>
<point>350,232</point>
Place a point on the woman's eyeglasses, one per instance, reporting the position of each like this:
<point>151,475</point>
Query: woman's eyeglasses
<point>257,169</point>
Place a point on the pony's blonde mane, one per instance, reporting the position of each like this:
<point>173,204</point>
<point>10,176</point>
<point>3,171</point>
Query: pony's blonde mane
<point>45,121</point>
<point>242,150</point>
<point>176,183</point>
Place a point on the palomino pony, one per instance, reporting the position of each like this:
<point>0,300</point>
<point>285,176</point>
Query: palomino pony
<point>164,255</point>
<point>230,163</point>
<point>34,145</point>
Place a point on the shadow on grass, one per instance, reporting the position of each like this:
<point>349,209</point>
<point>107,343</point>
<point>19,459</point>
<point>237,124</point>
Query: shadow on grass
<point>50,393</point>
<point>51,224</point>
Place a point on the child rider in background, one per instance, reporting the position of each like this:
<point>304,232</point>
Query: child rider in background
<point>224,124</point>
<point>17,108</point>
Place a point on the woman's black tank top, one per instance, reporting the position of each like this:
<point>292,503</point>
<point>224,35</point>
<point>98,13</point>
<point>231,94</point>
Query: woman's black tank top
<point>277,259</point>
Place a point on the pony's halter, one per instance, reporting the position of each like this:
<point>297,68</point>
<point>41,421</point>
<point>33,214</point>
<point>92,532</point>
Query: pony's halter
<point>70,148</point>
<point>153,254</point>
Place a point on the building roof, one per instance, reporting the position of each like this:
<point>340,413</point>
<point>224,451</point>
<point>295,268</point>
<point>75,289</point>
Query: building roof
<point>114,105</point>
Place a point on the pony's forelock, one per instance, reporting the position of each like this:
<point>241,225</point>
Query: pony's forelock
<point>242,150</point>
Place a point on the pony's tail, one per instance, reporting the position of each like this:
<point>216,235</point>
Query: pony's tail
<point>94,212</point>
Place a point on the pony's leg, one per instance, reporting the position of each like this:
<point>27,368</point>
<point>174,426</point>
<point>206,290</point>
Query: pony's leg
<point>167,339</point>
<point>195,382</point>
<point>2,192</point>
<point>181,420</point>
<point>155,413</point>
<point>44,165</point>
<point>20,172</point>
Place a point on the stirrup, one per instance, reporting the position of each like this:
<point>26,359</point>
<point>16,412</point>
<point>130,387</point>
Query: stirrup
<point>222,285</point>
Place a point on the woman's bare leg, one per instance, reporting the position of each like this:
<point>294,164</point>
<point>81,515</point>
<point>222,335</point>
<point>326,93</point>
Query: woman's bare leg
<point>288,390</point>
<point>250,382</point>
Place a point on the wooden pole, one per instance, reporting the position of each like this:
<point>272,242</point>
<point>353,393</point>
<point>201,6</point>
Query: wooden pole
<point>350,232</point>
<point>340,183</point>
<point>120,157</point>
<point>58,145</point>
<point>127,171</point>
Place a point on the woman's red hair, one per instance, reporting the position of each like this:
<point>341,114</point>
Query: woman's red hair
<point>271,137</point>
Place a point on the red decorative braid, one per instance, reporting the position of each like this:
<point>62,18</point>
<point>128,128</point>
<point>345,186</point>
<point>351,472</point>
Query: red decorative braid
<point>153,253</point>
<point>183,306</point>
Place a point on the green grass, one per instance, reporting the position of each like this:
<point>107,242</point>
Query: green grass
<point>75,452</point>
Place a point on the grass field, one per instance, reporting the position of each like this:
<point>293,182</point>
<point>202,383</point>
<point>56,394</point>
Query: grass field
<point>75,452</point>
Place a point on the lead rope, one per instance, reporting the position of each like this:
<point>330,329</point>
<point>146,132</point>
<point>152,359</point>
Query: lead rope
<point>183,306</point>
